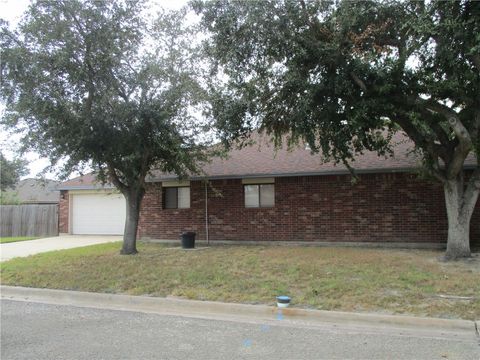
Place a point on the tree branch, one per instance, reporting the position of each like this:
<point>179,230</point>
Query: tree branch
<point>358,81</point>
<point>438,150</point>
<point>476,61</point>
<point>74,18</point>
<point>465,144</point>
<point>144,167</point>
<point>453,120</point>
<point>428,145</point>
<point>475,129</point>
<point>115,179</point>
<point>471,193</point>
<point>351,170</point>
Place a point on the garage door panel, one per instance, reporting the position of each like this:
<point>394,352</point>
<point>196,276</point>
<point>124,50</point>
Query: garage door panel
<point>98,214</point>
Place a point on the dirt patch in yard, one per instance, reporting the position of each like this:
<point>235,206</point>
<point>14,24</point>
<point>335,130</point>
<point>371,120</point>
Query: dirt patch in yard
<point>471,264</point>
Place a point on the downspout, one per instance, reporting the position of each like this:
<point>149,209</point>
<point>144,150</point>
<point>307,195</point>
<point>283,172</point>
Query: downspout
<point>206,212</point>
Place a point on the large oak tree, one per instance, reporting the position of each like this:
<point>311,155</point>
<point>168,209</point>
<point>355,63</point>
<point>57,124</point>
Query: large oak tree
<point>11,171</point>
<point>338,74</point>
<point>103,85</point>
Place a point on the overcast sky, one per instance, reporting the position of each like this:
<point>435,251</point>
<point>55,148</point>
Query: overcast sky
<point>11,11</point>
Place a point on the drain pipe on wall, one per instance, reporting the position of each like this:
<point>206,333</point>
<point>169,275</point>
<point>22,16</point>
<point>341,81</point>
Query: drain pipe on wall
<point>206,212</point>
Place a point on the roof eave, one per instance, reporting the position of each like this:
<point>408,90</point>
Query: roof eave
<point>290,174</point>
<point>261,175</point>
<point>85,187</point>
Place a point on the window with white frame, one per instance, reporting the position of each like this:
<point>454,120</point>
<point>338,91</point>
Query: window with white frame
<point>176,197</point>
<point>259,195</point>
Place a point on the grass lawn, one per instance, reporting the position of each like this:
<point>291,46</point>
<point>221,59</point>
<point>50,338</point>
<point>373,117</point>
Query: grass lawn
<point>349,279</point>
<point>4,240</point>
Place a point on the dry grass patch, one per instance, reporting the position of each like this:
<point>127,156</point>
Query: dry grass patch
<point>349,279</point>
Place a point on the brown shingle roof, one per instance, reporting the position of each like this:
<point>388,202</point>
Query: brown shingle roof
<point>262,160</point>
<point>86,181</point>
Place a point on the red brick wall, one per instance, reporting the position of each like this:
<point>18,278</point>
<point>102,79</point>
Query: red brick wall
<point>63,212</point>
<point>380,207</point>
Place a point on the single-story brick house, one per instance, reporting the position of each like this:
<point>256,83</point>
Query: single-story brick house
<point>34,192</point>
<point>259,194</point>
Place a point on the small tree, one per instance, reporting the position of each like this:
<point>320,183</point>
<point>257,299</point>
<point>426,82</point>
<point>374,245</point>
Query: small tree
<point>335,73</point>
<point>11,171</point>
<point>96,84</point>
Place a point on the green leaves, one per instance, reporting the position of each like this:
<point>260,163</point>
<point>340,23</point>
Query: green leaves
<point>11,171</point>
<point>100,85</point>
<point>334,73</point>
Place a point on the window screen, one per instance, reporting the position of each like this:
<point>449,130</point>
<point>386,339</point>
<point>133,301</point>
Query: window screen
<point>251,196</point>
<point>267,195</point>
<point>176,198</point>
<point>262,195</point>
<point>171,198</point>
<point>183,197</point>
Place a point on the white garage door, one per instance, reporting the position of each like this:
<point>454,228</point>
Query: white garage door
<point>98,214</point>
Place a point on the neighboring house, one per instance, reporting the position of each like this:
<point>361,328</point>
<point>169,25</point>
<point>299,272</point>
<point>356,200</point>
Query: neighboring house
<point>259,194</point>
<point>35,191</point>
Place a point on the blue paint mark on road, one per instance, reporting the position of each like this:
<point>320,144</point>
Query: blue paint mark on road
<point>247,342</point>
<point>264,328</point>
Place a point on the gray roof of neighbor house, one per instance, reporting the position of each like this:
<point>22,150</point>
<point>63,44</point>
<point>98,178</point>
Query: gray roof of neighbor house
<point>262,160</point>
<point>36,191</point>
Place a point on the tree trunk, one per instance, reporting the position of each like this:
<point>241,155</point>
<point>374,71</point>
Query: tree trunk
<point>459,215</point>
<point>134,199</point>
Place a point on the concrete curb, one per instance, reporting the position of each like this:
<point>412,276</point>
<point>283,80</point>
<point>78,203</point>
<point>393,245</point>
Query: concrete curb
<point>226,311</point>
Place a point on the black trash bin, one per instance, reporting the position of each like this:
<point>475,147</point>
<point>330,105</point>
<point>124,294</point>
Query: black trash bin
<point>188,240</point>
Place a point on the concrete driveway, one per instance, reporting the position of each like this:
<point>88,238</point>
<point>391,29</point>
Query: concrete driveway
<point>31,247</point>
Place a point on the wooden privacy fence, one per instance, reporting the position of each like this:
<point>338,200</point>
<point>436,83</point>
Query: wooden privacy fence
<point>28,220</point>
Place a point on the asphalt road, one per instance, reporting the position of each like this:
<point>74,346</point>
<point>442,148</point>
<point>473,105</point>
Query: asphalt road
<point>41,331</point>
